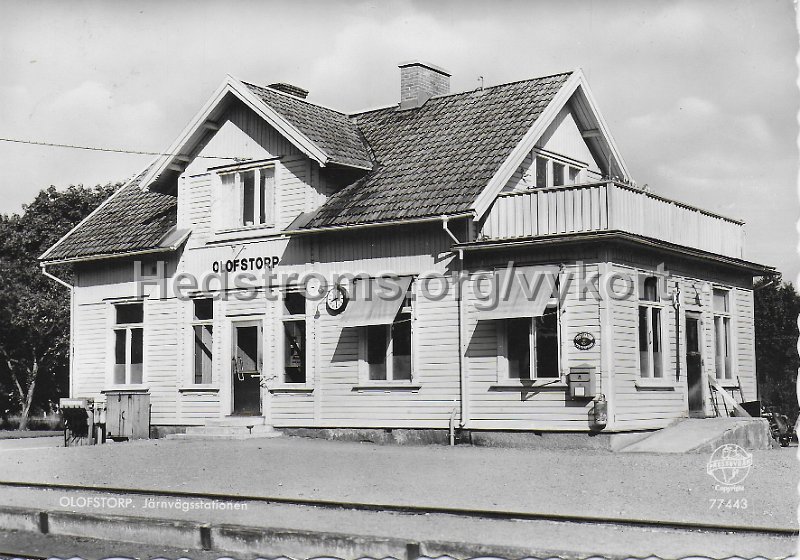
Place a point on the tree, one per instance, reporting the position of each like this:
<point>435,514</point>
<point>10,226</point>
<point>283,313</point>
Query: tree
<point>34,310</point>
<point>777,306</point>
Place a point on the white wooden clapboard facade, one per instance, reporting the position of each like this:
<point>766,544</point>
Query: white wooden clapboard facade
<point>556,208</point>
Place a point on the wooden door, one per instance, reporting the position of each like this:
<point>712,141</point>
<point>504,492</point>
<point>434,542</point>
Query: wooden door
<point>246,366</point>
<point>694,363</point>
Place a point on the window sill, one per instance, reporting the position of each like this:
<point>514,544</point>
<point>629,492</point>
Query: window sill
<point>199,389</point>
<point>291,388</point>
<point>655,384</point>
<point>727,383</point>
<point>127,388</point>
<point>538,384</point>
<point>245,232</point>
<point>388,386</point>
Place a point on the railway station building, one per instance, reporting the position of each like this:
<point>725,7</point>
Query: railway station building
<point>480,260</point>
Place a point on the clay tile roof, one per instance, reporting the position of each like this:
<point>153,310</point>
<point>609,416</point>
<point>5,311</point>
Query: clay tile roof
<point>427,162</point>
<point>437,159</point>
<point>331,130</point>
<point>131,220</point>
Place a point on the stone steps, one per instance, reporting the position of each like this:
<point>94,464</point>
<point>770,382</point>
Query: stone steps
<point>231,427</point>
<point>698,435</point>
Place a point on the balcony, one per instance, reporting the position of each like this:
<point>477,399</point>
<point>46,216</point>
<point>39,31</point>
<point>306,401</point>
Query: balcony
<point>611,207</point>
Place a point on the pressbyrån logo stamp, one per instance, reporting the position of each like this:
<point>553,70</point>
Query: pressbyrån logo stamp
<point>729,465</point>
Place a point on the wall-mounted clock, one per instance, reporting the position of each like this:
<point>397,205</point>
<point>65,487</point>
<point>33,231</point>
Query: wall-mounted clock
<point>336,300</point>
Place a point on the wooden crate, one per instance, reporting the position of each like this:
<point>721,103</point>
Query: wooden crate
<point>128,414</point>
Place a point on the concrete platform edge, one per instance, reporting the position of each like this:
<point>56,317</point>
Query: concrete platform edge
<point>227,538</point>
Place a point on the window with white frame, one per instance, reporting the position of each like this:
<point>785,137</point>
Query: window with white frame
<point>294,337</point>
<point>128,343</point>
<point>558,173</point>
<point>386,350</point>
<point>542,167</point>
<point>528,347</point>
<point>651,343</point>
<point>203,339</point>
<point>554,173</point>
<point>250,194</point>
<point>722,333</point>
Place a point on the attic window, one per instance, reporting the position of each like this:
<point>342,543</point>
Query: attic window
<point>553,173</point>
<point>558,174</point>
<point>250,195</point>
<point>541,172</point>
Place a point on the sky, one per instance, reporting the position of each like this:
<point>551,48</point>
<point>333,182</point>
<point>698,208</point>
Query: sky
<point>700,96</point>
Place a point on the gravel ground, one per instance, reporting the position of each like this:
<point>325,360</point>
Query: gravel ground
<point>593,483</point>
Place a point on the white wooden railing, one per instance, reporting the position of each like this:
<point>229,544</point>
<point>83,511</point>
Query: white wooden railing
<point>611,207</point>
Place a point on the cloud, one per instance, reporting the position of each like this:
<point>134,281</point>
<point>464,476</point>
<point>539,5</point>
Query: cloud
<point>700,96</point>
<point>89,114</point>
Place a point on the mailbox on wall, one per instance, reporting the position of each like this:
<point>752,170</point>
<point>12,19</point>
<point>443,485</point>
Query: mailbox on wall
<point>582,382</point>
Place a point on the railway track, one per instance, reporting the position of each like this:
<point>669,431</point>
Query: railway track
<point>324,527</point>
<point>410,509</point>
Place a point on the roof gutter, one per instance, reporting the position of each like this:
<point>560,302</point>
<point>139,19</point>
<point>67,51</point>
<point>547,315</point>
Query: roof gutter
<point>106,256</point>
<point>622,236</point>
<point>71,288</point>
<point>428,219</point>
<point>43,267</point>
<point>174,246</point>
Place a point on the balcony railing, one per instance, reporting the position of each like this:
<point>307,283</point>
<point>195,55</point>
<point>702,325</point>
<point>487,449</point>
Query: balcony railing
<point>611,207</point>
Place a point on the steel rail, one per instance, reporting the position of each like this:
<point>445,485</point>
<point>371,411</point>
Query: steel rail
<point>418,510</point>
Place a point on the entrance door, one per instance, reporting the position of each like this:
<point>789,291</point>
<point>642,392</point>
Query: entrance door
<point>694,364</point>
<point>246,368</point>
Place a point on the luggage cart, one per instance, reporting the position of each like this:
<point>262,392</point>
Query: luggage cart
<point>78,415</point>
<point>84,421</point>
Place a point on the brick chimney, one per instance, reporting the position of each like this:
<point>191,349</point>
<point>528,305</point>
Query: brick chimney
<point>419,82</point>
<point>290,89</point>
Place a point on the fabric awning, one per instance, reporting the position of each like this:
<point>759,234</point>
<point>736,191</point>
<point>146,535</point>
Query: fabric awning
<point>524,294</point>
<point>374,302</point>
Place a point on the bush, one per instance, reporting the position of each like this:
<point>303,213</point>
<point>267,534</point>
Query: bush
<point>36,423</point>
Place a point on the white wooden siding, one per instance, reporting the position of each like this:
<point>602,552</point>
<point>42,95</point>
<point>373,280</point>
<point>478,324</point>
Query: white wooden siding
<point>242,134</point>
<point>610,207</point>
<point>89,339</point>
<point>492,407</point>
<point>161,332</point>
<point>435,343</point>
<point>564,138</point>
<point>643,407</point>
<point>333,369</point>
<point>300,187</point>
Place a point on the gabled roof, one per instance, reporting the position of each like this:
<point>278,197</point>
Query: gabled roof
<point>331,130</point>
<point>324,135</point>
<point>439,158</point>
<point>449,157</point>
<point>131,220</point>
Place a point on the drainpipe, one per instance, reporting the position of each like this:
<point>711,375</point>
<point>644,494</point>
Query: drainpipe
<point>461,373</point>
<point>71,288</point>
<point>676,303</point>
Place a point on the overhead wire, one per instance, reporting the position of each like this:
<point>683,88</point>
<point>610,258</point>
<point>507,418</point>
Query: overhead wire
<point>112,150</point>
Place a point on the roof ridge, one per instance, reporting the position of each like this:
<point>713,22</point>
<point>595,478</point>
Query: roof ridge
<point>382,108</point>
<point>295,98</point>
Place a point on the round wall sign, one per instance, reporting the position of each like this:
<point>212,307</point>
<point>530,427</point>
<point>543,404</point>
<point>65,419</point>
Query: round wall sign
<point>584,341</point>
